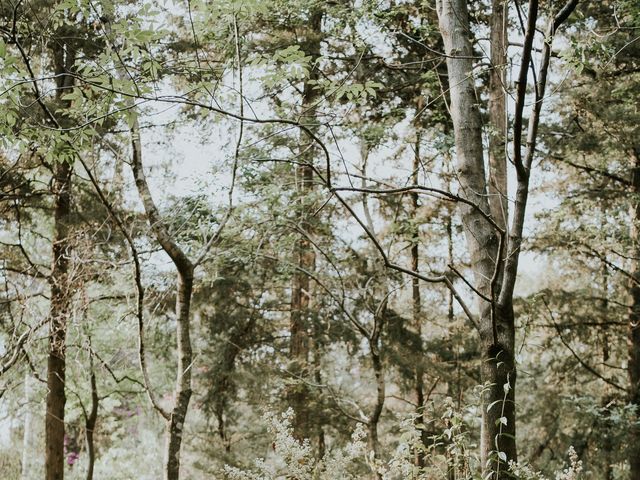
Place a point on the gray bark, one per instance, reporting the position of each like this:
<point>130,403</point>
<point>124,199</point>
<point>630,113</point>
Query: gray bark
<point>494,264</point>
<point>185,269</point>
<point>483,243</point>
<point>634,321</point>
<point>498,115</point>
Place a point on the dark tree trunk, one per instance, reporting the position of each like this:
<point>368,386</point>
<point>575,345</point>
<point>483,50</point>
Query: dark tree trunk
<point>60,282</point>
<point>498,436</point>
<point>58,316</point>
<point>634,322</point>
<point>90,425</point>
<point>300,321</point>
<point>374,418</point>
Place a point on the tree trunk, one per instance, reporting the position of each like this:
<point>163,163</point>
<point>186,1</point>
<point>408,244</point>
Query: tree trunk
<point>497,115</point>
<point>300,321</point>
<point>634,321</point>
<point>498,435</point>
<point>185,268</point>
<point>374,418</point>
<point>496,323</point>
<point>416,300</point>
<point>58,315</point>
<point>90,424</point>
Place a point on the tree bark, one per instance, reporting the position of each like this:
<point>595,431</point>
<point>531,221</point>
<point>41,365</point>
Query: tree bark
<point>497,332</point>
<point>90,424</point>
<point>183,381</point>
<point>634,321</point>
<point>415,298</point>
<point>185,268</point>
<point>301,296</point>
<point>374,418</point>
<point>64,56</point>
<point>27,435</point>
<point>58,314</point>
<point>498,201</point>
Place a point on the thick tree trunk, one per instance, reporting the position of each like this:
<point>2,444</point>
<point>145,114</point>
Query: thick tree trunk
<point>634,322</point>
<point>496,323</point>
<point>300,321</point>
<point>498,435</point>
<point>58,315</point>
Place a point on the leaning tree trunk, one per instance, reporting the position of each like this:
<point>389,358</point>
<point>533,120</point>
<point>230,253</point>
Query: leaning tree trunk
<point>185,268</point>
<point>300,321</point>
<point>58,315</point>
<point>496,324</point>
<point>634,321</point>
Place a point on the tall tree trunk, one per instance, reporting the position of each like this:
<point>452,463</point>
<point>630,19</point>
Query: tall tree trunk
<point>634,321</point>
<point>58,315</point>
<point>415,296</point>
<point>374,418</point>
<point>496,322</point>
<point>300,320</point>
<point>90,424</point>
<point>183,381</point>
<point>182,395</point>
<point>497,115</point>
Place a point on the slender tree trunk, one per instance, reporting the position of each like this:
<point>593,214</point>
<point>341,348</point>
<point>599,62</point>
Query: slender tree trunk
<point>634,321</point>
<point>90,424</point>
<point>415,297</point>
<point>27,436</point>
<point>301,297</point>
<point>317,376</point>
<point>183,382</point>
<point>58,316</point>
<point>182,395</point>
<point>496,323</point>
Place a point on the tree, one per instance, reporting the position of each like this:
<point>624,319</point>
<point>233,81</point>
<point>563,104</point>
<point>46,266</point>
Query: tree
<point>494,252</point>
